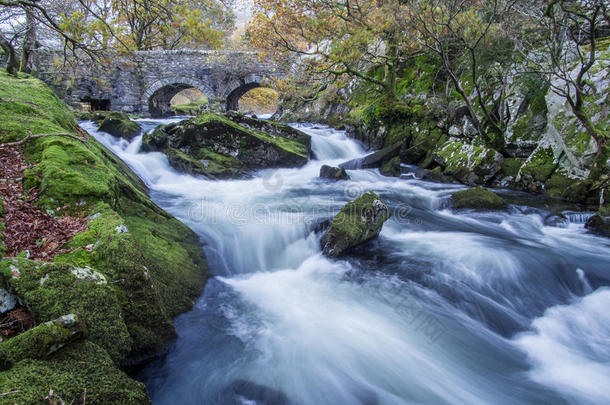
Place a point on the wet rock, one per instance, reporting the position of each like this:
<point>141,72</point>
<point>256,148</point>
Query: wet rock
<point>218,147</point>
<point>118,124</point>
<point>557,220</point>
<point>321,225</point>
<point>477,198</point>
<point>333,173</point>
<point>600,222</point>
<point>357,222</point>
<point>154,141</point>
<point>374,160</point>
<point>391,168</point>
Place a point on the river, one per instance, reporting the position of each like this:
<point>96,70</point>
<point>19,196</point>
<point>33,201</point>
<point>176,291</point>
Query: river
<point>445,307</point>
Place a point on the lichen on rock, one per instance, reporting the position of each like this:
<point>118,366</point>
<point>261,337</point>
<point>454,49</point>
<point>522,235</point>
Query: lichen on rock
<point>468,163</point>
<point>358,221</point>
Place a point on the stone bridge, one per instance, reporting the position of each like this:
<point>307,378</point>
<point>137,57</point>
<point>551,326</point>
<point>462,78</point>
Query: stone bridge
<point>144,82</point>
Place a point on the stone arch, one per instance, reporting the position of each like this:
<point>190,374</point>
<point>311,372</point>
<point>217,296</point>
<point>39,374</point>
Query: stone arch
<point>237,88</point>
<point>156,99</point>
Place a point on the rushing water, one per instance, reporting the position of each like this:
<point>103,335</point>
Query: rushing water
<point>444,307</point>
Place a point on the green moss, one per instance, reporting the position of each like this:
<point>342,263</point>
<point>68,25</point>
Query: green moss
<point>357,222</point>
<point>41,341</point>
<point>27,106</point>
<point>478,198</point>
<point>69,372</point>
<point>511,166</point>
<point>463,161</point>
<point>144,266</point>
<point>156,266</point>
<point>289,145</point>
<point>540,164</point>
<point>119,125</point>
<point>558,183</point>
<point>391,167</point>
<point>52,290</point>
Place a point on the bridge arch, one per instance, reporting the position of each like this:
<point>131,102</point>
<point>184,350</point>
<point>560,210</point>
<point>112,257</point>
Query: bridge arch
<point>157,97</point>
<point>237,88</point>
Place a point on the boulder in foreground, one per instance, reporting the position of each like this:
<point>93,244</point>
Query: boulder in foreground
<point>357,222</point>
<point>477,198</point>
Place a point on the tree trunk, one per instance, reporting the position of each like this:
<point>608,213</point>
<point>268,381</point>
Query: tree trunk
<point>29,41</point>
<point>391,68</point>
<point>12,63</point>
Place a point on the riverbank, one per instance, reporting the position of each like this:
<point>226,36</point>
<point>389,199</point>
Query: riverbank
<point>85,239</point>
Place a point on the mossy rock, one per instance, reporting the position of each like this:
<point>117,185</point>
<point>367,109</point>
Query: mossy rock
<point>540,165</point>
<point>29,106</point>
<point>357,222</point>
<point>41,341</point>
<point>333,173</point>
<point>391,168</point>
<point>600,222</point>
<point>80,366</point>
<point>511,166</point>
<point>154,141</point>
<point>222,148</point>
<point>54,289</point>
<point>468,163</point>
<point>118,124</point>
<point>423,143</point>
<point>477,198</point>
<point>126,276</point>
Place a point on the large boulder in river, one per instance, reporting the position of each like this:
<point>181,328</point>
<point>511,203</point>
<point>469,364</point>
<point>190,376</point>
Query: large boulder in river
<point>118,124</point>
<point>333,173</point>
<point>374,160</point>
<point>477,198</point>
<point>467,163</point>
<point>218,147</point>
<point>357,222</point>
<point>600,222</point>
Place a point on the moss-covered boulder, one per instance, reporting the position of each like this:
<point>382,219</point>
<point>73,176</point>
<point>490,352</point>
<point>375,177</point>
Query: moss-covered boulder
<point>126,276</point>
<point>333,173</point>
<point>118,124</point>
<point>477,198</point>
<point>468,163</point>
<point>391,168</point>
<point>155,140</point>
<point>42,341</point>
<point>357,222</point>
<point>222,148</point>
<point>537,169</point>
<point>80,370</point>
<point>600,222</point>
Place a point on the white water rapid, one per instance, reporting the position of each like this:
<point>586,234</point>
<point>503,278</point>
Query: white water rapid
<point>444,307</point>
